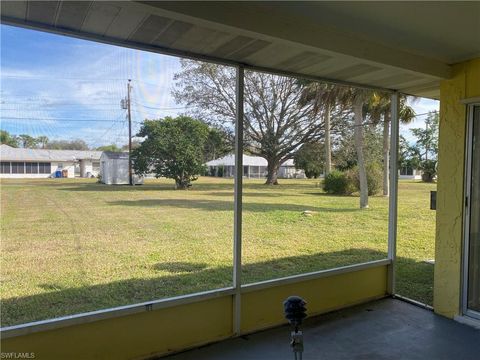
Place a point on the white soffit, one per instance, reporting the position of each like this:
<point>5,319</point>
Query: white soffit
<point>315,39</point>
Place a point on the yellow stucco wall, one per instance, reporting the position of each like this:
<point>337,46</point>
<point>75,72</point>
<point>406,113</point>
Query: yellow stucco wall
<point>135,336</point>
<point>157,332</point>
<point>262,309</point>
<point>465,83</point>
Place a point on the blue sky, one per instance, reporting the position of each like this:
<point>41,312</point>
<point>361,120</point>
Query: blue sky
<point>45,77</point>
<point>55,86</point>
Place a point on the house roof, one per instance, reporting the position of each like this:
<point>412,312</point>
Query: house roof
<point>115,155</point>
<point>8,153</point>
<point>248,160</point>
<point>405,46</point>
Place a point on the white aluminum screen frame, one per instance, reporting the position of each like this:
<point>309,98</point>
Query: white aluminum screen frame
<point>237,288</point>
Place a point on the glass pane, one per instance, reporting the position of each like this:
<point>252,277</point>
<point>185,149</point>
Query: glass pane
<point>72,243</point>
<point>291,223</point>
<point>417,179</point>
<point>474,235</point>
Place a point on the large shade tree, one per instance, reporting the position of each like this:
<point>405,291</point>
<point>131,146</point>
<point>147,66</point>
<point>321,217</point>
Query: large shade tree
<point>275,124</point>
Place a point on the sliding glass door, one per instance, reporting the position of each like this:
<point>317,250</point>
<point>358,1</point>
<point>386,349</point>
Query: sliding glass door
<point>471,302</point>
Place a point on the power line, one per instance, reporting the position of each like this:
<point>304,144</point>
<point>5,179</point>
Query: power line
<point>427,113</point>
<point>160,108</point>
<point>54,119</point>
<point>57,78</point>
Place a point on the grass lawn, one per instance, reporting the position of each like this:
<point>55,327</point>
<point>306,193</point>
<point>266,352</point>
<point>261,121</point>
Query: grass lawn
<point>72,245</point>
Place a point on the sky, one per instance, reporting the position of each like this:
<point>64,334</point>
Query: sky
<point>67,88</point>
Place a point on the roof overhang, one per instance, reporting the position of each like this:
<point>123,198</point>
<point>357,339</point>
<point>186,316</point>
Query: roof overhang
<point>342,42</point>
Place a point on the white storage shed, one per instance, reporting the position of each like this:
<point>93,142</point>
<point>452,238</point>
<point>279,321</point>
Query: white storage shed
<point>114,169</point>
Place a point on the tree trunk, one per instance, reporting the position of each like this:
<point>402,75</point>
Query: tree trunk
<point>328,145</point>
<point>272,172</point>
<point>362,173</point>
<point>181,184</point>
<point>386,154</point>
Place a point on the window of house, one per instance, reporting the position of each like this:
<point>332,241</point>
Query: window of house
<point>18,168</point>
<point>5,167</point>
<point>44,168</point>
<point>406,171</point>
<point>31,168</point>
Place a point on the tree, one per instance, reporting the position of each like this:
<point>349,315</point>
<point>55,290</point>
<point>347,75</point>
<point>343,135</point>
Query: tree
<point>326,98</point>
<point>379,110</point>
<point>310,158</point>
<point>358,98</point>
<point>219,143</point>
<point>172,148</point>
<point>275,123</point>
<point>355,98</point>
<point>345,155</point>
<point>67,145</point>
<point>7,139</point>
<point>426,146</point>
<point>135,144</point>
<point>112,148</point>
<point>408,156</point>
<point>42,141</point>
<point>27,141</point>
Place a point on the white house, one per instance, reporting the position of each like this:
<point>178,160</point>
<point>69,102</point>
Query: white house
<point>114,169</point>
<point>43,163</point>
<point>253,167</point>
<point>409,173</point>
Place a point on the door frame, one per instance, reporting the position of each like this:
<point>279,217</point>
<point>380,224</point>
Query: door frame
<point>467,204</point>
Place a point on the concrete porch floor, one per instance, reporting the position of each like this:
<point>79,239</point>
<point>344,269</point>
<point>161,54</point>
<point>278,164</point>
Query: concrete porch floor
<point>384,329</point>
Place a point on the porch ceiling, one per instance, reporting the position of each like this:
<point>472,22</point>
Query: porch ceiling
<point>406,47</point>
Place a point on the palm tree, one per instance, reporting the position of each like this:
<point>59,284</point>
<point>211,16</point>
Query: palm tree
<point>43,141</point>
<point>324,97</point>
<point>379,108</point>
<point>358,98</point>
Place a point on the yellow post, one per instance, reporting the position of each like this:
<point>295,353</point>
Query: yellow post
<point>465,83</point>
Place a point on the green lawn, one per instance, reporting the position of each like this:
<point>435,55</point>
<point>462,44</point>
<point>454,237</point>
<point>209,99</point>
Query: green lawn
<point>71,246</point>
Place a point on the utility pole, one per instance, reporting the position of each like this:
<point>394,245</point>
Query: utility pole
<point>130,173</point>
<point>125,104</point>
<point>427,142</point>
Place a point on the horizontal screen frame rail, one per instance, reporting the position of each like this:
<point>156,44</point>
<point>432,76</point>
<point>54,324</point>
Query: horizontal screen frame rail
<point>82,318</point>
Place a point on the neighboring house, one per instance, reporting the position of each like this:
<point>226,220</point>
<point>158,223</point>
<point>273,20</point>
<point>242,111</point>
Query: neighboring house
<point>407,172</point>
<point>253,167</point>
<point>43,163</point>
<point>114,169</point>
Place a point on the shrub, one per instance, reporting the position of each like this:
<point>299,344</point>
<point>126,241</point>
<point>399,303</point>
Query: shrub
<point>429,169</point>
<point>374,178</point>
<point>337,182</point>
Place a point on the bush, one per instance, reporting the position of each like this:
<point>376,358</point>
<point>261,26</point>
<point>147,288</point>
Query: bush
<point>338,183</point>
<point>374,178</point>
<point>313,174</point>
<point>429,169</point>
